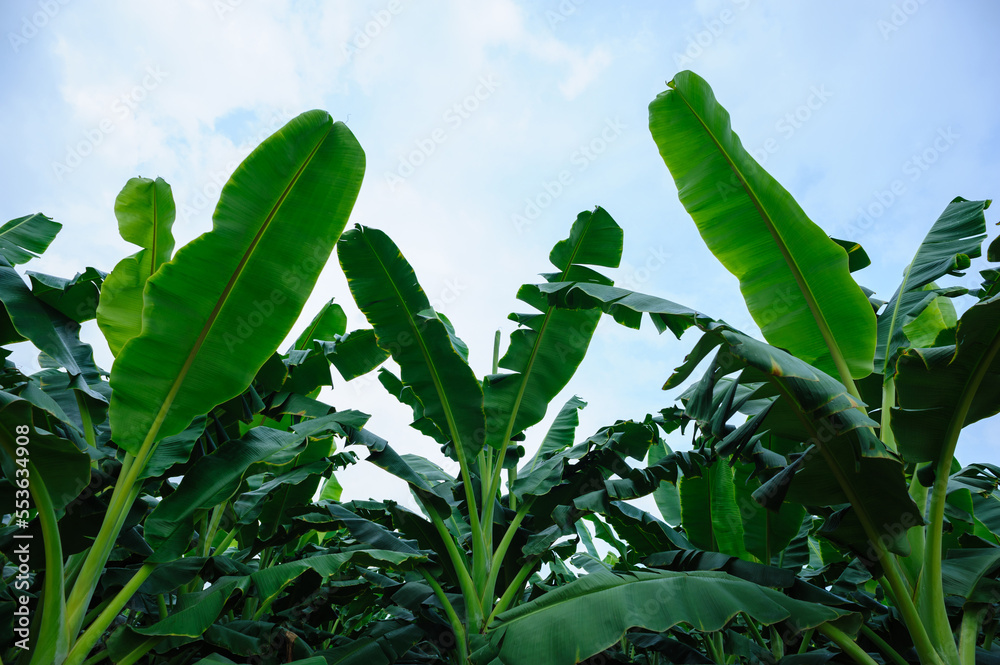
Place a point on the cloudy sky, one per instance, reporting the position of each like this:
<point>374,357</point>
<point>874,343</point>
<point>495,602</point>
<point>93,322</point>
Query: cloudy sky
<point>469,112</point>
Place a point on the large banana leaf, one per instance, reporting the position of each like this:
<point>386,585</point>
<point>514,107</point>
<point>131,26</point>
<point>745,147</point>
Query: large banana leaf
<point>562,626</point>
<point>145,211</point>
<point>386,290</point>
<point>954,239</point>
<point>544,354</point>
<point>214,314</point>
<point>795,279</point>
<point>945,388</point>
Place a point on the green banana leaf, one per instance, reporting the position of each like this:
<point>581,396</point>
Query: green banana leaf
<point>794,278</point>
<point>938,385</point>
<point>544,354</point>
<point>27,237</point>
<point>710,514</point>
<point>211,480</point>
<point>386,290</point>
<point>561,627</point>
<point>955,238</point>
<point>329,322</point>
<point>217,311</point>
<point>47,328</point>
<point>145,211</point>
<point>76,298</point>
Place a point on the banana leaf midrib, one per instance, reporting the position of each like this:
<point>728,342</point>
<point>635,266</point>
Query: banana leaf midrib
<point>807,293</point>
<point>220,303</point>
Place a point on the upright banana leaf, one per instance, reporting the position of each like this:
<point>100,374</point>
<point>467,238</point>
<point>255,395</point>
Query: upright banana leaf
<point>386,290</point>
<point>710,514</point>
<point>214,314</point>
<point>954,239</point>
<point>145,211</point>
<point>544,354</point>
<point>561,627</point>
<point>795,279</point>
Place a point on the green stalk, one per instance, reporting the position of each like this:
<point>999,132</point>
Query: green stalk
<point>140,651</point>
<point>90,637</point>
<point>972,619</point>
<point>806,640</point>
<point>213,525</point>
<point>456,623</point>
<point>511,479</point>
<point>161,606</point>
<point>931,595</point>
<point>121,502</point>
<point>913,564</point>
<point>754,633</point>
<point>846,644</point>
<point>508,536</point>
<point>86,420</point>
<point>227,541</point>
<point>888,401</point>
<point>96,658</point>
<point>515,586</point>
<point>882,645</point>
<point>473,607</point>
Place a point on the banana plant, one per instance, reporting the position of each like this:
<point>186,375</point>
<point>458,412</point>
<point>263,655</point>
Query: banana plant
<point>879,486</point>
<point>490,545</point>
<point>190,331</point>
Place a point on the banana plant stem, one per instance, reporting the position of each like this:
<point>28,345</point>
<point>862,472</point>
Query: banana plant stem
<point>508,536</point>
<point>972,619</point>
<point>846,644</point>
<point>931,597</point>
<point>456,623</point>
<point>90,636</point>
<point>473,606</point>
<point>882,645</point>
<point>515,586</point>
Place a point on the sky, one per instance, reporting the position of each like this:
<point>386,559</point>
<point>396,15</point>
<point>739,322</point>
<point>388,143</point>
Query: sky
<point>488,127</point>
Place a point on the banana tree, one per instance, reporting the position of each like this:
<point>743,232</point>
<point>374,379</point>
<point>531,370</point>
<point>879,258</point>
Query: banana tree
<point>890,516</point>
<point>190,331</point>
<point>489,545</point>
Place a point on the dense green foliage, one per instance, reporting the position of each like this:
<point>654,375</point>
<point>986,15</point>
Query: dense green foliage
<point>184,507</point>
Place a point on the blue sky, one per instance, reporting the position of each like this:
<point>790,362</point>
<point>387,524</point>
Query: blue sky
<point>488,126</point>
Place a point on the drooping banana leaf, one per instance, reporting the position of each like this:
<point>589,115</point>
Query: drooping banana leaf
<point>386,290</point>
<point>794,278</point>
<point>27,237</point>
<point>561,627</point>
<point>954,239</point>
<point>943,389</point>
<point>145,211</point>
<point>217,311</point>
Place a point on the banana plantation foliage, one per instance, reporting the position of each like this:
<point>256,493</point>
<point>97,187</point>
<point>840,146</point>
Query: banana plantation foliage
<point>183,505</point>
